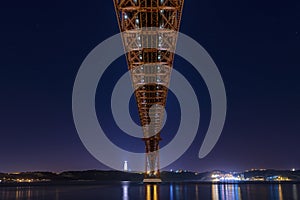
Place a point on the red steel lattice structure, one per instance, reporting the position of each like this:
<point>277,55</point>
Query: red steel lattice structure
<point>149,32</point>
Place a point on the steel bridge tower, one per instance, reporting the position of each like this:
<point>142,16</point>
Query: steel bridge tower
<point>149,32</point>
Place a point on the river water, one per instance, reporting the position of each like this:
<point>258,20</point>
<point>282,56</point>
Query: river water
<point>163,191</point>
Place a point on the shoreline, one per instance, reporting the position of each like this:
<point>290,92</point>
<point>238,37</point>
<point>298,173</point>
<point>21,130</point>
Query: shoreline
<point>91,183</point>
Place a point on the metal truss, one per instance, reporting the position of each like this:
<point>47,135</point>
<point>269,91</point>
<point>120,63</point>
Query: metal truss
<point>149,32</point>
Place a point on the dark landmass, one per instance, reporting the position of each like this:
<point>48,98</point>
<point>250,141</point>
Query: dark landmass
<point>265,174</point>
<point>98,176</point>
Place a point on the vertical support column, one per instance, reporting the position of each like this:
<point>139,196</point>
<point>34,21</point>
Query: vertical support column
<point>150,65</point>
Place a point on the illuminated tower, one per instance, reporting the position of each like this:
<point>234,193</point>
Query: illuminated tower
<point>125,167</point>
<point>149,32</point>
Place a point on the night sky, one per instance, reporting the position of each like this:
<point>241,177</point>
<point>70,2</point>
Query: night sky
<point>255,44</point>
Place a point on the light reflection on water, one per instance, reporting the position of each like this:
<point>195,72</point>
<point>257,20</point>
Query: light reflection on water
<point>152,192</point>
<point>226,191</point>
<point>125,190</point>
<point>171,191</point>
<point>295,192</point>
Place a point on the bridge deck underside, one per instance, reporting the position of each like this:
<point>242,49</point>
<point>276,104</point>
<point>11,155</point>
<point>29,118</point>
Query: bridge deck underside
<point>150,60</point>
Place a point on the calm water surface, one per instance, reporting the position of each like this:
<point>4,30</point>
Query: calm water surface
<point>168,191</point>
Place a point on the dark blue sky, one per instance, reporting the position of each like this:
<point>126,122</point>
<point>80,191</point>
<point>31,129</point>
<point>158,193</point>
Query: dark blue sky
<point>255,44</point>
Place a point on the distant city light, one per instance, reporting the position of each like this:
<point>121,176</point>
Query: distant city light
<point>227,177</point>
